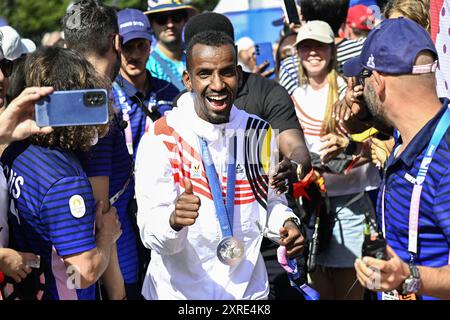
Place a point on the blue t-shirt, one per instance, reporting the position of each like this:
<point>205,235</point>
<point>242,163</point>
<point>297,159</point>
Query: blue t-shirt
<point>159,97</point>
<point>434,212</point>
<point>110,158</point>
<point>157,64</point>
<point>52,212</point>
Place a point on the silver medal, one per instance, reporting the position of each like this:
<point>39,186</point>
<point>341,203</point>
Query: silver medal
<point>230,251</point>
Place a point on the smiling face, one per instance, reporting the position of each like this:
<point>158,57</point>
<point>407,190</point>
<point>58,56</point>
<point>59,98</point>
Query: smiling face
<point>315,57</point>
<point>213,77</point>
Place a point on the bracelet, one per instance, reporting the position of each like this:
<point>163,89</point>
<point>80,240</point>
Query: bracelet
<point>294,220</point>
<point>299,170</point>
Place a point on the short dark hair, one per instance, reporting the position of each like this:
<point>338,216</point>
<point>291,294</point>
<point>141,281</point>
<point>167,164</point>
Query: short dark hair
<point>88,26</point>
<point>207,21</point>
<point>208,38</point>
<point>333,12</point>
<point>64,69</point>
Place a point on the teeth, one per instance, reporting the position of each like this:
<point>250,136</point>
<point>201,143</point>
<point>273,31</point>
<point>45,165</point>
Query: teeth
<point>218,98</point>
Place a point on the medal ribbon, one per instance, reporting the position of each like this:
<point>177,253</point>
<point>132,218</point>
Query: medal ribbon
<point>224,213</point>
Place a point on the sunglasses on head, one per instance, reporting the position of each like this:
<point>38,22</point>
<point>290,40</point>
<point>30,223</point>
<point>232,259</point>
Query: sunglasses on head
<point>365,73</point>
<point>162,18</point>
<point>6,66</point>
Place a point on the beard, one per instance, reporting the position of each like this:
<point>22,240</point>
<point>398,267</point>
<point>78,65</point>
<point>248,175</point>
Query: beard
<point>374,105</point>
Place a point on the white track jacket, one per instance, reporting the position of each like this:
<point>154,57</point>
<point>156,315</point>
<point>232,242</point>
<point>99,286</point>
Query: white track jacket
<point>184,264</point>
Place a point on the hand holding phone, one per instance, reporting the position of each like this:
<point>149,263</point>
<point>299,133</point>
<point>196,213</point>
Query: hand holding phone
<point>73,108</point>
<point>264,54</point>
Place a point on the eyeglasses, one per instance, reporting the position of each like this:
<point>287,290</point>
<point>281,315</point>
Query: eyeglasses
<point>162,18</point>
<point>365,73</point>
<point>6,66</point>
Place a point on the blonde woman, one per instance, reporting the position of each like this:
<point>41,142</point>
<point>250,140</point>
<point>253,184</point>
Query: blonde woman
<point>320,87</point>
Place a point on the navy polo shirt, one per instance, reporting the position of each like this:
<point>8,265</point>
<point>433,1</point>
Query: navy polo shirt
<point>434,211</point>
<point>161,92</point>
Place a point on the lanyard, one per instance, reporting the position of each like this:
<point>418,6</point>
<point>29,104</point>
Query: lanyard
<point>438,134</point>
<point>224,214</point>
<point>125,105</point>
<point>124,102</point>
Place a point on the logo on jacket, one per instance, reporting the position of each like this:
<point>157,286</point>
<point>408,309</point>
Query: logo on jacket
<point>196,172</point>
<point>239,169</point>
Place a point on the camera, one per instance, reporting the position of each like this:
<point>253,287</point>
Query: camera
<point>94,98</point>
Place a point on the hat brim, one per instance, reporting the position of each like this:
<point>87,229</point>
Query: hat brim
<point>353,67</point>
<point>319,38</point>
<point>189,9</point>
<point>136,35</point>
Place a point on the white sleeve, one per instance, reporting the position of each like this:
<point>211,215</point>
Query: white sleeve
<point>156,193</point>
<point>277,208</point>
<point>4,202</point>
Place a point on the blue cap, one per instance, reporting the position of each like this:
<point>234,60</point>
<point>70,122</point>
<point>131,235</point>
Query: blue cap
<point>133,24</point>
<point>392,48</point>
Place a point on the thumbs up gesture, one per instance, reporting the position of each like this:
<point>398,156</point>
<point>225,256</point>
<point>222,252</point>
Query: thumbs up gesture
<point>186,208</point>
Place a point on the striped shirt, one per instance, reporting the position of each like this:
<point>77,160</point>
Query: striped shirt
<point>52,211</point>
<point>434,212</point>
<point>345,50</point>
<point>161,92</point>
<point>110,158</point>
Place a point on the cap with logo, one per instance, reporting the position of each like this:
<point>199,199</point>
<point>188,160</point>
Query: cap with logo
<point>392,48</point>
<point>315,30</point>
<point>158,6</point>
<point>133,24</point>
<point>13,45</point>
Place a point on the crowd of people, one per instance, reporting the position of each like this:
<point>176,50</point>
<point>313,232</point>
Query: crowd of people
<point>211,181</point>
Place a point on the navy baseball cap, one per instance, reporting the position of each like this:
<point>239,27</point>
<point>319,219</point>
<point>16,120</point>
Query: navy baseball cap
<point>392,48</point>
<point>133,24</point>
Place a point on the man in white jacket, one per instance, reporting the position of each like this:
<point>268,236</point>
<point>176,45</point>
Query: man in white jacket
<point>203,247</point>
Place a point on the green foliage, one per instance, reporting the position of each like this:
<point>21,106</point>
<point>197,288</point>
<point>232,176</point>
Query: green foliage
<point>33,18</point>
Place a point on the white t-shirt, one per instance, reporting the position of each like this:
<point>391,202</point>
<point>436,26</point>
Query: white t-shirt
<point>4,201</point>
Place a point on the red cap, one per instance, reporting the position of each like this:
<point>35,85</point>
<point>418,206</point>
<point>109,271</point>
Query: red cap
<point>360,17</point>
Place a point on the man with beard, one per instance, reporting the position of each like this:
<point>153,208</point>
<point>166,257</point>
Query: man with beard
<point>91,28</point>
<point>168,60</point>
<point>142,98</point>
<point>396,67</point>
<point>202,246</point>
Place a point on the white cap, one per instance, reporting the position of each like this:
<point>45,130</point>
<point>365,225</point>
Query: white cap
<point>13,45</point>
<point>244,43</point>
<point>315,30</point>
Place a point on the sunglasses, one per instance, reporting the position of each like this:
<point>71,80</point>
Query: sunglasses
<point>6,66</point>
<point>365,73</point>
<point>162,19</point>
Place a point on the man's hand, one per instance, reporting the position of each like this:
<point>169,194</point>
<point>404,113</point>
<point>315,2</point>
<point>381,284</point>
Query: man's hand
<point>284,172</point>
<point>14,263</point>
<point>18,119</point>
<point>292,239</point>
<point>107,224</point>
<point>186,208</point>
<point>381,275</point>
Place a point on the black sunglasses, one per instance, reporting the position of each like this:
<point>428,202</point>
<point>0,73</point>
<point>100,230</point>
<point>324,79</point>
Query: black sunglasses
<point>6,66</point>
<point>162,18</point>
<point>365,73</point>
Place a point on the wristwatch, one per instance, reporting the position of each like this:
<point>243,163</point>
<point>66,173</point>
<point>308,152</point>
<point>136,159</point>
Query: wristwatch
<point>299,170</point>
<point>412,283</point>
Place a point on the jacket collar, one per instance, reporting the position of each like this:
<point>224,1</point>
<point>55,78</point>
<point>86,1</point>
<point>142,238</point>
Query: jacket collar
<point>203,129</point>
